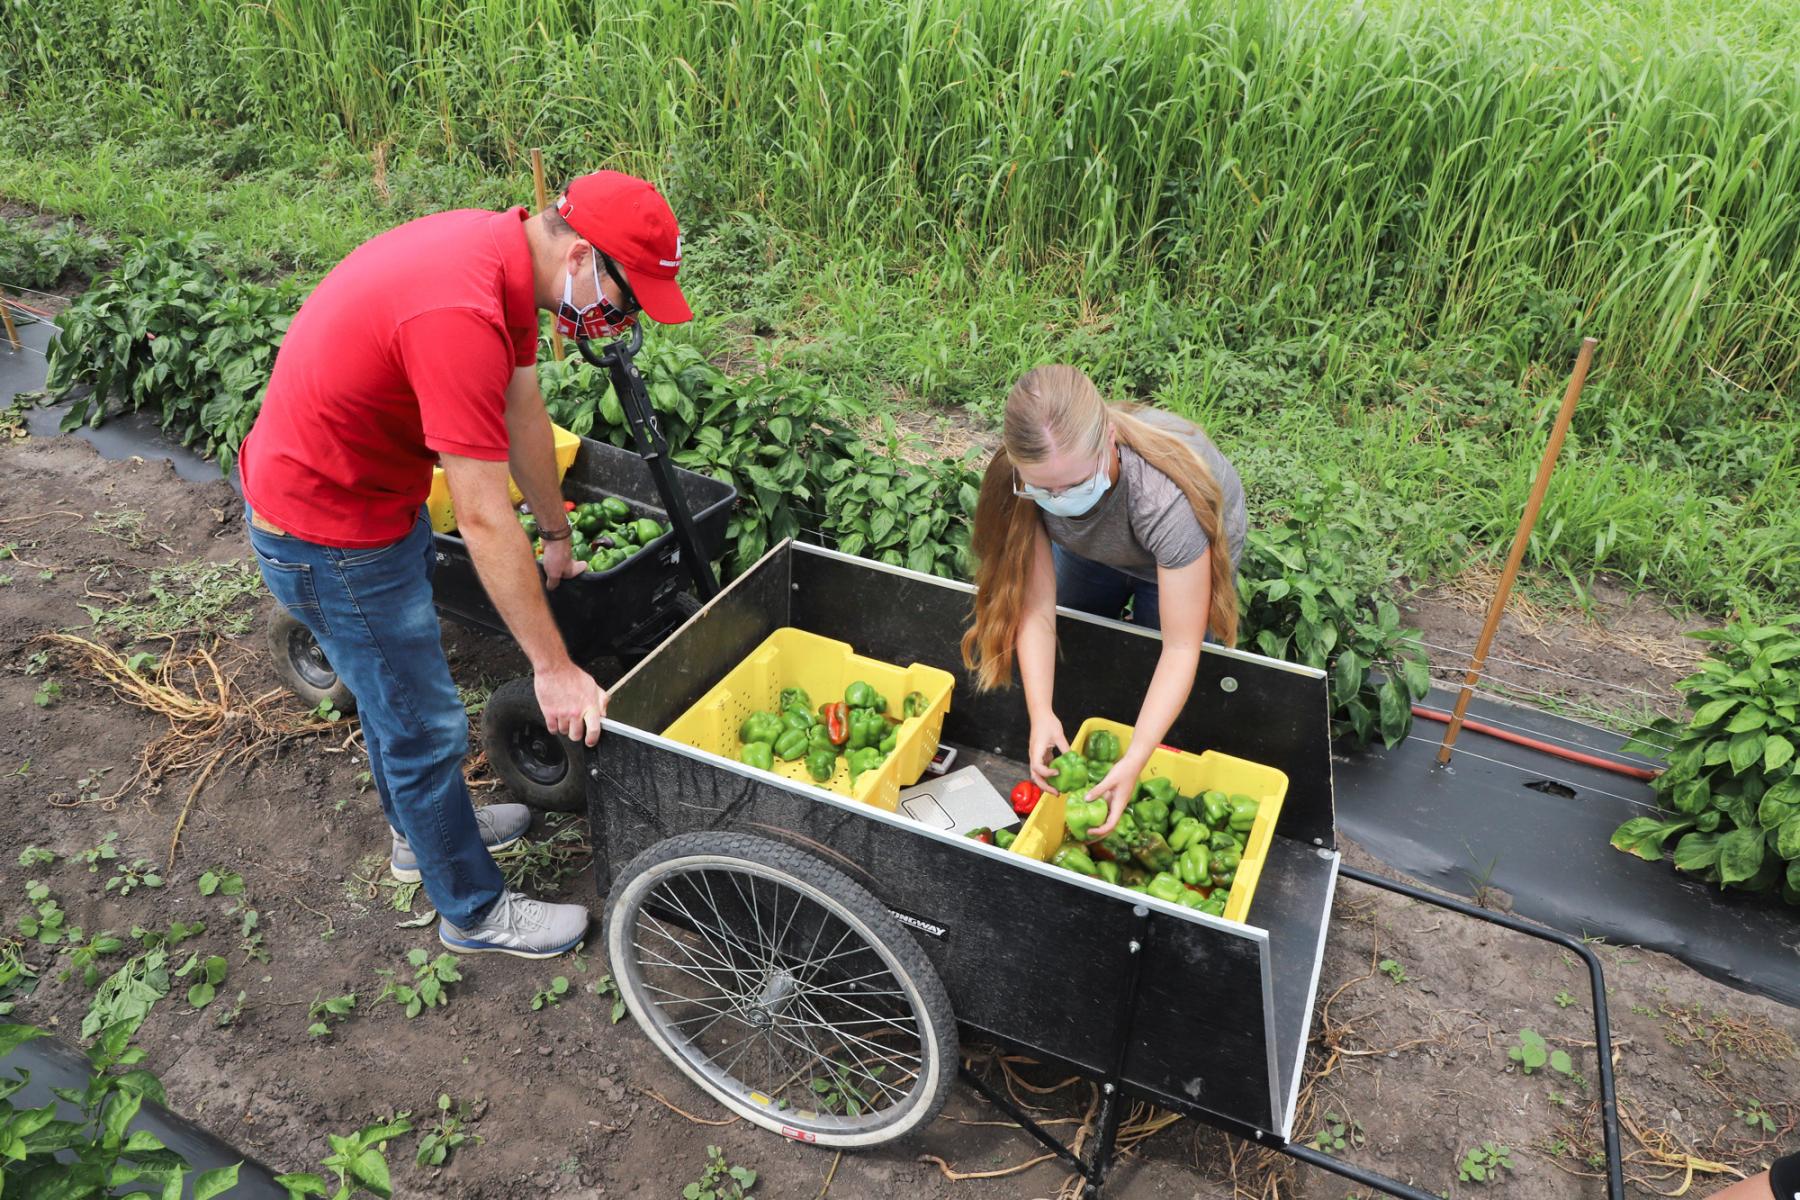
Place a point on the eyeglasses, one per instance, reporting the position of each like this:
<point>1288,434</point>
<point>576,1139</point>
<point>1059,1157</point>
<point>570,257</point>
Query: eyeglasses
<point>631,307</point>
<point>1026,491</point>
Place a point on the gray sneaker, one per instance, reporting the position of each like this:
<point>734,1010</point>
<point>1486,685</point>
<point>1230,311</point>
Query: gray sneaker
<point>519,925</point>
<point>501,826</point>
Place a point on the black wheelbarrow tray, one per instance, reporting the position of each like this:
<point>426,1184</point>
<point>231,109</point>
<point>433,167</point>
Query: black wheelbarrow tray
<point>812,962</point>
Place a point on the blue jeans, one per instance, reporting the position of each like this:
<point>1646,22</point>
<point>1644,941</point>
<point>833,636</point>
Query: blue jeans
<point>1090,587</point>
<point>371,613</point>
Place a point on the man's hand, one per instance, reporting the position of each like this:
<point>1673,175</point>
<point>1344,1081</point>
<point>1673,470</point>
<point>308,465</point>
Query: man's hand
<point>573,703</point>
<point>560,563</point>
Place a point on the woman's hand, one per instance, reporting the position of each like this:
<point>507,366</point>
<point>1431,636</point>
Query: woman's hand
<point>1047,741</point>
<point>1115,787</point>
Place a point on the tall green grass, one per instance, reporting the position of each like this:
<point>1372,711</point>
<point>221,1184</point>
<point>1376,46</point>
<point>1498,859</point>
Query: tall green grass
<point>1624,170</point>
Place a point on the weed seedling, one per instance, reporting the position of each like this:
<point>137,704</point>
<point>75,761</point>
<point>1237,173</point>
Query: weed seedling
<point>33,856</point>
<point>358,1159</point>
<point>211,974</point>
<point>106,851</point>
<point>606,985</point>
<point>720,1180</point>
<point>1533,1052</point>
<point>432,978</point>
<point>221,881</point>
<point>842,1094</point>
<point>552,995</point>
<point>128,994</point>
<point>128,879</point>
<point>327,711</point>
<point>1393,970</point>
<point>444,1137</point>
<point>177,933</point>
<point>1756,1116</point>
<point>83,958</point>
<point>47,921</point>
<point>1337,1133</point>
<point>1564,999</point>
<point>48,693</point>
<point>336,1006</point>
<point>1484,1163</point>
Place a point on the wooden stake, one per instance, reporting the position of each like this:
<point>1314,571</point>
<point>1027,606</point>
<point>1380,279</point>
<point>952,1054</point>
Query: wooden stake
<point>543,202</point>
<point>12,331</point>
<point>1521,539</point>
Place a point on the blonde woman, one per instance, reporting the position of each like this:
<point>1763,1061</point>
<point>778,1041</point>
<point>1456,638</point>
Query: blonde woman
<point>1092,506</point>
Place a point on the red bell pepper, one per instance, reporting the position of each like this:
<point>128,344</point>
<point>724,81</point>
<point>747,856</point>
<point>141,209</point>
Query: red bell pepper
<point>837,721</point>
<point>568,506</point>
<point>1025,797</point>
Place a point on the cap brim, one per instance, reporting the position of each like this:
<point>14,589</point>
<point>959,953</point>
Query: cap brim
<point>662,300</point>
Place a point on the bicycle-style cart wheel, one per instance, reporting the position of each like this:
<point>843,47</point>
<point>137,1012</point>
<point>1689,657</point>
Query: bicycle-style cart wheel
<point>782,987</point>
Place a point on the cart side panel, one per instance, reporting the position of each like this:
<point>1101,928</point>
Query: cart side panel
<point>1271,714</point>
<point>1026,953</point>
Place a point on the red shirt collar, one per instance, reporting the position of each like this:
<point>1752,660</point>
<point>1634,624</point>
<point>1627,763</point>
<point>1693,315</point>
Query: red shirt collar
<point>517,289</point>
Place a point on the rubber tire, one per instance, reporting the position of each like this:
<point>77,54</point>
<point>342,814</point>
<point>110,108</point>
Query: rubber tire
<point>288,638</point>
<point>512,724</point>
<point>938,1041</point>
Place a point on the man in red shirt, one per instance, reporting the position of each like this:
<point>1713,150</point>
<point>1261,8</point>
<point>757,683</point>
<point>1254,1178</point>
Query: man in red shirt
<point>420,348</point>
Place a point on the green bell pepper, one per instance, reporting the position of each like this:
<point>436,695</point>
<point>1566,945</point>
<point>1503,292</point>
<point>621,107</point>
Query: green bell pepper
<point>1101,746</point>
<point>1071,772</point>
<point>887,744</point>
<point>1152,814</point>
<point>1081,814</point>
<point>790,745</point>
<point>1190,806</point>
<point>760,727</point>
<point>758,754</point>
<point>1214,905</point>
<point>1195,865</point>
<point>796,718</point>
<point>1155,789</point>
<point>859,695</point>
<point>1188,831</point>
<point>1243,813</point>
<point>529,524</point>
<point>1074,858</point>
<point>1221,840</point>
<point>914,705</point>
<point>1109,871</point>
<point>819,738</point>
<point>795,698</point>
<point>1218,809</point>
<point>1130,874</point>
<point>615,510</point>
<point>1225,881</point>
<point>1192,899</point>
<point>866,728</point>
<point>1004,838</point>
<point>1165,886</point>
<point>821,764</point>
<point>1124,835</point>
<point>647,531</point>
<point>1153,852</point>
<point>865,758</point>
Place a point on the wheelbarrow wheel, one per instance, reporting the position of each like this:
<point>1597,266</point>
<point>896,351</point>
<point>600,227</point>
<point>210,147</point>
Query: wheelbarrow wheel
<point>782,987</point>
<point>542,769</point>
<point>301,663</point>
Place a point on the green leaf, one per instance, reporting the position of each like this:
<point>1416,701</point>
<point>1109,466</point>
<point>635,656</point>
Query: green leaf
<point>1777,753</point>
<point>1710,712</point>
<point>1744,750</point>
<point>1691,797</point>
<point>1697,851</point>
<point>14,1036</point>
<point>201,994</point>
<point>1740,855</point>
<point>371,1170</point>
<point>1644,836</point>
<point>216,1182</point>
<point>302,1183</point>
<point>1787,839</point>
<point>1418,676</point>
<point>1396,713</point>
<point>1560,1062</point>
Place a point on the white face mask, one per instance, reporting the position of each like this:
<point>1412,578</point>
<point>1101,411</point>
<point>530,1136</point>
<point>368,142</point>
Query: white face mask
<point>1072,501</point>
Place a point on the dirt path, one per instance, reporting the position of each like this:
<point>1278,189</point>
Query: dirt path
<point>566,1101</point>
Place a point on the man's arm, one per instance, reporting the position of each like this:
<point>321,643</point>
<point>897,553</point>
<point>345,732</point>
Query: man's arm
<point>532,457</point>
<point>573,703</point>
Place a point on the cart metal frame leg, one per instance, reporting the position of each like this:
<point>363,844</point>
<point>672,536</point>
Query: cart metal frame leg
<point>1095,1168</point>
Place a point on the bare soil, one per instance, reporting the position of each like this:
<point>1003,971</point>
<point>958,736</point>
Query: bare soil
<point>569,1104</point>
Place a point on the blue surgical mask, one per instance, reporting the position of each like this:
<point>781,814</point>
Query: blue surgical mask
<point>1076,501</point>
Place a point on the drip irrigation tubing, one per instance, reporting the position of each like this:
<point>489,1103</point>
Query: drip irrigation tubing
<point>1543,747</point>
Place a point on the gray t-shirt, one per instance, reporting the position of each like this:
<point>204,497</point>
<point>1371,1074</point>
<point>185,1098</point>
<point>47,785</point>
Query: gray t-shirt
<point>1145,521</point>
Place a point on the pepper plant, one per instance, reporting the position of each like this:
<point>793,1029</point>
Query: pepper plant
<point>1732,786</point>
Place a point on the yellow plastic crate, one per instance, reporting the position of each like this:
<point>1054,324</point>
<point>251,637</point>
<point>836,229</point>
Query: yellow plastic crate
<point>824,667</point>
<point>443,512</point>
<point>1190,773</point>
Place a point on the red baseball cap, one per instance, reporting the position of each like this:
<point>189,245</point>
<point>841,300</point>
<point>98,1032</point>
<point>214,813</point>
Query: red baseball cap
<point>628,219</point>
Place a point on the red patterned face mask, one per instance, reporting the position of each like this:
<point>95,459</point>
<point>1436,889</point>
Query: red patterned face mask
<point>601,319</point>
